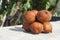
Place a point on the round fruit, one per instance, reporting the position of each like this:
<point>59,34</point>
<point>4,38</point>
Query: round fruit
<point>47,27</point>
<point>44,16</point>
<point>29,16</point>
<point>26,26</point>
<point>36,27</point>
<point>35,12</point>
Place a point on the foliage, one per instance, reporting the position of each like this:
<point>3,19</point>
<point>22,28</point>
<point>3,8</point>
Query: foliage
<point>13,9</point>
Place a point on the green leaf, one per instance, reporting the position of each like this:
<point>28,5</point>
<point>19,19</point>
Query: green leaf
<point>12,10</point>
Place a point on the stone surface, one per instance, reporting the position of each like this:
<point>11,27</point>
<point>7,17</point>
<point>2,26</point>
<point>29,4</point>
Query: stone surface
<point>17,33</point>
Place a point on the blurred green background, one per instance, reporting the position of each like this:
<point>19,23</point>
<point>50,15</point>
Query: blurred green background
<point>11,11</point>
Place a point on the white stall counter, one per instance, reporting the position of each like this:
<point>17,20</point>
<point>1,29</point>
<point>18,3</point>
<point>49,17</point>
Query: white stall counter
<point>17,33</point>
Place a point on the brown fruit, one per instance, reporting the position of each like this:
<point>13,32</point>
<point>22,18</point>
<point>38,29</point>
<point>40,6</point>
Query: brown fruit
<point>26,26</point>
<point>29,16</point>
<point>36,27</point>
<point>47,27</point>
<point>35,12</point>
<point>44,16</point>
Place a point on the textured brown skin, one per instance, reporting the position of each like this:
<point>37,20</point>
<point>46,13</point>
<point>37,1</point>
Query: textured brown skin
<point>44,16</point>
<point>26,26</point>
<point>47,27</point>
<point>35,12</point>
<point>29,16</point>
<point>36,27</point>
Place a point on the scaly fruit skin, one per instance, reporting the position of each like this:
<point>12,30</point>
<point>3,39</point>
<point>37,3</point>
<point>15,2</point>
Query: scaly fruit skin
<point>44,16</point>
<point>35,12</point>
<point>26,26</point>
<point>29,16</point>
<point>47,27</point>
<point>36,27</point>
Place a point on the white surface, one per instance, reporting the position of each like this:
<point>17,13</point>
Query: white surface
<point>17,33</point>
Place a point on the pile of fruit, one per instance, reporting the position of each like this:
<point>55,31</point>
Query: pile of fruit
<point>37,21</point>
